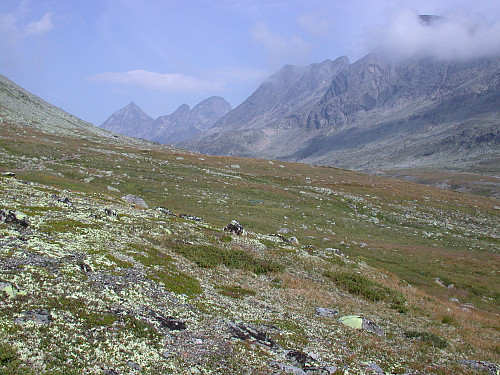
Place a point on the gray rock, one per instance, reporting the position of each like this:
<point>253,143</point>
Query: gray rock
<point>164,211</point>
<point>134,365</point>
<point>244,331</point>
<point>372,327</point>
<point>15,217</point>
<point>235,227</point>
<point>38,316</point>
<point>110,212</point>
<point>322,311</point>
<point>134,200</point>
<point>491,368</point>
<point>374,368</point>
<point>287,368</point>
<point>191,217</point>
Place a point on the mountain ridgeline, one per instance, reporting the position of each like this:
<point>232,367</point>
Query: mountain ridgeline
<point>369,115</point>
<point>182,125</point>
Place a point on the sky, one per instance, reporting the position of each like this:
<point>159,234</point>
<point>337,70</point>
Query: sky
<point>93,57</point>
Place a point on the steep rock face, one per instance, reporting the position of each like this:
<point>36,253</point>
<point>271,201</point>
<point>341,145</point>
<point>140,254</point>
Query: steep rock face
<point>130,120</point>
<point>371,114</point>
<point>282,94</point>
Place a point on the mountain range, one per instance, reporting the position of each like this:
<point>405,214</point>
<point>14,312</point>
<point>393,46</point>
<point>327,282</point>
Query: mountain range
<point>374,114</point>
<point>182,125</point>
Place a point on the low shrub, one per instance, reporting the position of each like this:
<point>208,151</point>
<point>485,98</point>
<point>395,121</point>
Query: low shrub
<point>368,289</point>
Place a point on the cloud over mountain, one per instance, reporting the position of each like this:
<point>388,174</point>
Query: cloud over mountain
<point>406,35</point>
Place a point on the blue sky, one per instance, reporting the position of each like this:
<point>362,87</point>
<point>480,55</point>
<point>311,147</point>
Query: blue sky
<point>93,57</point>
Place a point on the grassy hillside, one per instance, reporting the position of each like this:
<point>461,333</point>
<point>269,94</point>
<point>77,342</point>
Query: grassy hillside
<point>98,285</point>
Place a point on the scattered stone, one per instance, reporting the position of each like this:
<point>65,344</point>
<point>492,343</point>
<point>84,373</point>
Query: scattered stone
<point>111,188</point>
<point>110,212</point>
<point>110,371</point>
<point>11,291</point>
<point>235,166</point>
<point>357,322</point>
<point>283,230</point>
<point>169,322</point>
<point>167,354</point>
<point>287,368</point>
<point>9,174</point>
<point>491,368</point>
<point>38,316</point>
<point>64,200</point>
<point>322,311</point>
<point>244,331</point>
<point>332,250</point>
<point>164,211</point>
<point>134,365</point>
<point>85,268</point>
<point>453,299</point>
<point>15,217</point>
<point>299,357</point>
<point>235,227</point>
<point>190,217</point>
<point>374,368</point>
<point>293,240</point>
<point>135,200</point>
<point>179,158</point>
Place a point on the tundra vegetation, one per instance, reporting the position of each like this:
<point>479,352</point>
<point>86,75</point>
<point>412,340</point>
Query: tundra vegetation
<point>94,284</point>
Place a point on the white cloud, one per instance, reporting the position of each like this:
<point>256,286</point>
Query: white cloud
<point>167,82</point>
<point>40,27</point>
<point>405,36</point>
<point>279,48</point>
<point>316,23</point>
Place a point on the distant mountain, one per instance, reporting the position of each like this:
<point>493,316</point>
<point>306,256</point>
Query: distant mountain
<point>130,120</point>
<point>185,124</point>
<point>182,125</point>
<point>372,114</point>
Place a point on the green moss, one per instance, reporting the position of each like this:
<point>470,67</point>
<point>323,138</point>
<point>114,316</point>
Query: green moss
<point>368,289</point>
<point>176,281</point>
<point>10,363</point>
<point>429,338</point>
<point>209,256</point>
<point>119,262</point>
<point>234,291</point>
<point>142,329</point>
<point>67,225</point>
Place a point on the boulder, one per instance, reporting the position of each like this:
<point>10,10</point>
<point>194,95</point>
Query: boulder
<point>245,331</point>
<point>37,316</point>
<point>11,291</point>
<point>135,200</point>
<point>235,228</point>
<point>164,211</point>
<point>15,217</point>
<point>190,217</point>
<point>322,311</point>
<point>357,322</point>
